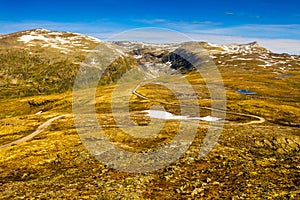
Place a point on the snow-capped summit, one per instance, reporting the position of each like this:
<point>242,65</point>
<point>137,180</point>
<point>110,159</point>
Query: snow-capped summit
<point>249,48</point>
<point>63,41</point>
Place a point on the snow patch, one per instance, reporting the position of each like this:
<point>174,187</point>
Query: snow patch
<point>57,40</point>
<point>244,59</point>
<point>28,38</point>
<point>210,119</point>
<point>39,112</point>
<point>138,56</point>
<point>159,114</point>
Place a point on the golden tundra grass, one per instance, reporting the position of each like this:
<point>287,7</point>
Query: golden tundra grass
<point>56,165</point>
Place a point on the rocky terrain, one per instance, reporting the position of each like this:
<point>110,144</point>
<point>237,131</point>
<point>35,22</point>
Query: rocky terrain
<point>249,161</point>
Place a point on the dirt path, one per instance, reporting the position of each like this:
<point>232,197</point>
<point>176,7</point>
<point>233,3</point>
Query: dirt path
<point>45,125</point>
<point>40,129</point>
<point>258,121</point>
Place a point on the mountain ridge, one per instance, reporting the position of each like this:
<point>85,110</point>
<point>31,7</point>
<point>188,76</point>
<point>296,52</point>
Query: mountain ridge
<point>40,60</point>
<point>229,47</point>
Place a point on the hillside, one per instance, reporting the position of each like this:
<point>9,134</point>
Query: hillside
<point>43,62</point>
<point>43,156</point>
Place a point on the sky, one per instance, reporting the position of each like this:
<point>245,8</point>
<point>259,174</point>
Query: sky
<point>273,23</point>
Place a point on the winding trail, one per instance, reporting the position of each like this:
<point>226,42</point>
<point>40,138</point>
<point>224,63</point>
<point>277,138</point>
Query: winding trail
<point>46,124</point>
<point>258,121</point>
<point>40,129</point>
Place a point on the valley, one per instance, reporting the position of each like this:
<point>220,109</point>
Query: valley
<point>256,156</point>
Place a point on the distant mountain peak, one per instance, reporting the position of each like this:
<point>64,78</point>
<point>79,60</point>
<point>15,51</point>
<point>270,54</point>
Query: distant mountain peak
<point>249,48</point>
<point>69,41</point>
<point>65,42</point>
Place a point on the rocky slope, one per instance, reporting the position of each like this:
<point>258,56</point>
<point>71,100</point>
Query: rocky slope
<point>40,61</point>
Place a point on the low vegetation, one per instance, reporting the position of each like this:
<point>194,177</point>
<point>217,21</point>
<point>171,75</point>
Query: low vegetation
<point>254,161</point>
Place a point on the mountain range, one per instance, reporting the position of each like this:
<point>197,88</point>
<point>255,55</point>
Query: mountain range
<point>40,61</point>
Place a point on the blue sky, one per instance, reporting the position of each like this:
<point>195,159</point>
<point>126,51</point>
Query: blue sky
<point>273,23</point>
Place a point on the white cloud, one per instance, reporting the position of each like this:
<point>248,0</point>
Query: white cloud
<point>281,45</point>
<point>291,31</point>
<point>229,13</point>
<point>101,26</point>
<point>180,25</point>
<point>151,21</point>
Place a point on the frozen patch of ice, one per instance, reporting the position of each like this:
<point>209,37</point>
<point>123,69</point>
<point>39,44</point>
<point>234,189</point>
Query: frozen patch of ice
<point>159,114</point>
